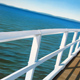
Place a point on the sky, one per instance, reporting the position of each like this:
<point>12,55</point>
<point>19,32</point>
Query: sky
<point>62,8</point>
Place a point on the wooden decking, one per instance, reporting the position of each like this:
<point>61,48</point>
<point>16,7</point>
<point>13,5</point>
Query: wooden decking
<point>71,71</point>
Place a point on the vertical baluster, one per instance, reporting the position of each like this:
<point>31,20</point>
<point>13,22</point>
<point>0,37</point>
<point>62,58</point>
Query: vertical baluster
<point>63,42</point>
<point>33,56</point>
<point>77,45</point>
<point>73,40</point>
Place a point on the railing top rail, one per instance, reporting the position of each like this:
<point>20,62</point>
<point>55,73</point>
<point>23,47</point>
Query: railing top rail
<point>40,61</point>
<point>33,62</point>
<point>57,31</point>
<point>15,35</point>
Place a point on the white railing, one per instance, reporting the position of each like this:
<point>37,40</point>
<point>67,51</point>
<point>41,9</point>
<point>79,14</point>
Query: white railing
<point>33,62</point>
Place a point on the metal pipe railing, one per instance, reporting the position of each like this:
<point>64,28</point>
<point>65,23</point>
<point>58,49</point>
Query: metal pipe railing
<point>33,62</point>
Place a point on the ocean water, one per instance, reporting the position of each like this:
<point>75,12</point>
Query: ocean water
<point>15,54</point>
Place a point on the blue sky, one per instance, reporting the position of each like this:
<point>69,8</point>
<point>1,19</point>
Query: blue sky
<point>62,8</point>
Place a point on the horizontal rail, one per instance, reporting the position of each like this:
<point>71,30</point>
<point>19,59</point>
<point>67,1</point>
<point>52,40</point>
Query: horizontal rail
<point>16,35</point>
<point>40,61</point>
<point>51,75</point>
<point>33,62</point>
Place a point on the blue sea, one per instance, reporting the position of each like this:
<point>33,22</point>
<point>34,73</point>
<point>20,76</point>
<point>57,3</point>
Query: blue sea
<point>15,54</point>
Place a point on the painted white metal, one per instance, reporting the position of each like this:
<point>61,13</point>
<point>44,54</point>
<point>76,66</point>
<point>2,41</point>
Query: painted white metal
<point>77,45</point>
<point>40,61</point>
<point>33,62</point>
<point>59,68</point>
<point>33,56</point>
<point>73,40</point>
<point>57,31</point>
<point>16,35</point>
<point>63,42</point>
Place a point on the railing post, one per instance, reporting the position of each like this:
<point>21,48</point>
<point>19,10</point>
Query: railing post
<point>63,42</point>
<point>73,40</point>
<point>77,45</point>
<point>33,56</point>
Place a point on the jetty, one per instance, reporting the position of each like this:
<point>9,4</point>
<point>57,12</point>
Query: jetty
<point>71,71</point>
<point>65,70</point>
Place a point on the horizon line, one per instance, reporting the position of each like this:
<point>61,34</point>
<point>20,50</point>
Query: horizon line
<point>41,13</point>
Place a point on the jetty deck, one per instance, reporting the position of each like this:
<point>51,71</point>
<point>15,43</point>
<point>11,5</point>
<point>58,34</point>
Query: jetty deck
<point>71,71</point>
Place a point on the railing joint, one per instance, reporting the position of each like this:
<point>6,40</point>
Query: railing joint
<point>33,61</point>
